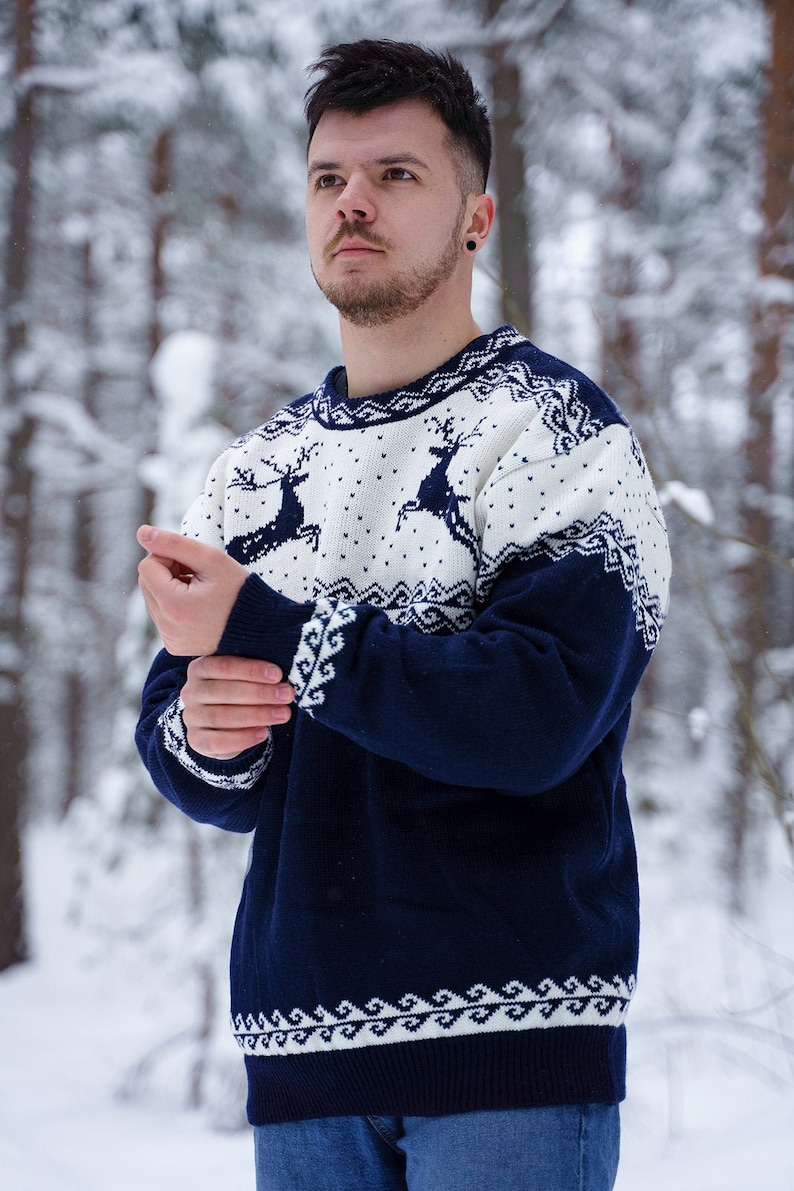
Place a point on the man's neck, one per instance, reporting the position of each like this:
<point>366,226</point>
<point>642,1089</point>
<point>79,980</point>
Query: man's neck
<point>379,359</point>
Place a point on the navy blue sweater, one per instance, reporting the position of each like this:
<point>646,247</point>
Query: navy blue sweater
<point>464,580</point>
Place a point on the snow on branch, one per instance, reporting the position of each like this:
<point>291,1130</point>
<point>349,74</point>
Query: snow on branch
<point>774,290</point>
<point>55,78</point>
<point>514,26</point>
<point>59,412</point>
<point>693,502</point>
<point>145,81</point>
<point>777,505</point>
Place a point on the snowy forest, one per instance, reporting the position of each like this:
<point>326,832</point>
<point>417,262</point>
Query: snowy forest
<point>157,301</point>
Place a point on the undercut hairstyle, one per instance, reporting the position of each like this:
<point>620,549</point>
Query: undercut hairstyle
<point>359,76</point>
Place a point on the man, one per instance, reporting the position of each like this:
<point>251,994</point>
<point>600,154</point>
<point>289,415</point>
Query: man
<point>419,601</point>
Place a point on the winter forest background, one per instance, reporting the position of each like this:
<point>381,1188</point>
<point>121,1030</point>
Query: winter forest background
<point>157,301</point>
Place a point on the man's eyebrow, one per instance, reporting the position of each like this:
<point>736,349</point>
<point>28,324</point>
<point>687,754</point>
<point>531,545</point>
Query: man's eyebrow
<point>328,167</point>
<point>402,159</point>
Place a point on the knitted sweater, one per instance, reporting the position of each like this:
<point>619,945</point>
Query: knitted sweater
<point>464,580</point>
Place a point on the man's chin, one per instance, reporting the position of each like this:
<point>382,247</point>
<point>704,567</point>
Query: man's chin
<point>371,308</point>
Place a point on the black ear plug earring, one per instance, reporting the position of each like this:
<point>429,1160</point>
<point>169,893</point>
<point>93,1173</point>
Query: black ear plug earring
<point>471,245</point>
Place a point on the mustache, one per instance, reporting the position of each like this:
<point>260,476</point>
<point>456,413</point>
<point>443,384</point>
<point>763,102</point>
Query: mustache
<point>351,229</point>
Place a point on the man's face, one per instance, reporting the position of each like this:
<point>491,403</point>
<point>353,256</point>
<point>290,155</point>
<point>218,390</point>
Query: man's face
<point>385,218</point>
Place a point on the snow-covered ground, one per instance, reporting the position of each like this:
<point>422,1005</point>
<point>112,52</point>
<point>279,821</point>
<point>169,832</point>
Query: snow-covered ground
<point>73,1025</point>
<point>711,1105</point>
<point>711,1036</point>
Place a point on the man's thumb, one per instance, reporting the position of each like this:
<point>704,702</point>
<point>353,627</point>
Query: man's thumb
<point>164,543</point>
<point>147,535</point>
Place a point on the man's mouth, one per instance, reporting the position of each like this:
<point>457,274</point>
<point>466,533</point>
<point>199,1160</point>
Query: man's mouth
<point>354,241</point>
<point>354,248</point>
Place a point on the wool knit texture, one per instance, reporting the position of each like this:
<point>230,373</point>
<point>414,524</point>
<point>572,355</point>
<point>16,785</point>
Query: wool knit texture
<point>464,579</point>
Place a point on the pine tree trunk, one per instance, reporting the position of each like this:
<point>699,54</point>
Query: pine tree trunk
<point>622,373</point>
<point>620,343</point>
<point>160,189</point>
<point>513,226</point>
<point>770,323</point>
<point>622,376</point>
<point>81,679</point>
<point>16,493</point>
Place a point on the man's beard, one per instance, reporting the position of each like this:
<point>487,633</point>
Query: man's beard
<point>376,303</point>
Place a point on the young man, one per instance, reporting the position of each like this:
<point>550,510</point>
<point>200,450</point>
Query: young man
<point>419,601</point>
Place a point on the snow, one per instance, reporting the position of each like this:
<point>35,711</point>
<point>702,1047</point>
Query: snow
<point>692,501</point>
<point>70,419</point>
<point>774,290</point>
<point>56,78</point>
<point>188,437</point>
<point>72,1027</point>
<point>711,1072</point>
<point>711,1032</point>
<point>143,85</point>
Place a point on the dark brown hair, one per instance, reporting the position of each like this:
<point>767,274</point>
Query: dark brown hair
<point>361,75</point>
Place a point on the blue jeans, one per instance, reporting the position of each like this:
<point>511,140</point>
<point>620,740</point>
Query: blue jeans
<point>525,1149</point>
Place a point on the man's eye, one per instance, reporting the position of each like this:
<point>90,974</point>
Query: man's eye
<point>326,180</point>
<point>398,174</point>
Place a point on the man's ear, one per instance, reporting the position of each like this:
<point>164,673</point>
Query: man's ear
<point>481,210</point>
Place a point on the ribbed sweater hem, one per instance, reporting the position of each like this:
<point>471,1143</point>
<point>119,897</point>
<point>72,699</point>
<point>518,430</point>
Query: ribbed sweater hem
<point>571,1065</point>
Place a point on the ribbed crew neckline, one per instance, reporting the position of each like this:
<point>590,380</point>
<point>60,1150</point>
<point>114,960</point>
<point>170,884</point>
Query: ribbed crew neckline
<point>334,409</point>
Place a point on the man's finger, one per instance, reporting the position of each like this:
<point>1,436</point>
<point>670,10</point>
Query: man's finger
<point>223,746</point>
<point>208,691</point>
<point>222,717</point>
<point>191,555</point>
<point>228,667</point>
<point>192,588</point>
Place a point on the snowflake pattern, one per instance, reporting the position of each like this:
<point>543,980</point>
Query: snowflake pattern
<point>289,421</point>
<point>561,407</point>
<point>332,410</point>
<point>430,606</point>
<point>480,1010</point>
<point>175,741</point>
<point>607,537</point>
<point>321,640</point>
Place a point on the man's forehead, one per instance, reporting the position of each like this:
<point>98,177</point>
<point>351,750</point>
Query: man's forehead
<point>396,131</point>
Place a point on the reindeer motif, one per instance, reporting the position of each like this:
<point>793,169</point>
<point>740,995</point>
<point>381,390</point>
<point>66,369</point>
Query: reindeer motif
<point>437,496</point>
<point>289,523</point>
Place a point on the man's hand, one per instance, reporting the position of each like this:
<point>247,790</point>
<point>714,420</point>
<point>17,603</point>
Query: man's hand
<point>231,703</point>
<point>189,588</point>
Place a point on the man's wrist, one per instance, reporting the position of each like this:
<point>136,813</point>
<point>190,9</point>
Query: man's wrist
<point>264,624</point>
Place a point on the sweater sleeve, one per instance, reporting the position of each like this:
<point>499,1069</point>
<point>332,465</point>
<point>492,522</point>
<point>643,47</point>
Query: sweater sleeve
<point>517,701</point>
<point>225,793</point>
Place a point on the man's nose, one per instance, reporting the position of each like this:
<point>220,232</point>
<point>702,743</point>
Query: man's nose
<point>356,201</point>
